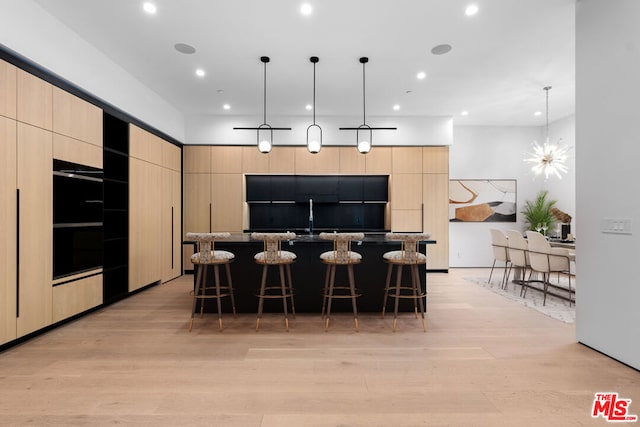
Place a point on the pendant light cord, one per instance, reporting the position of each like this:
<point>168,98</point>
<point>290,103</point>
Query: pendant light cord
<point>364,110</point>
<point>314,93</point>
<point>264,108</point>
<point>546,88</point>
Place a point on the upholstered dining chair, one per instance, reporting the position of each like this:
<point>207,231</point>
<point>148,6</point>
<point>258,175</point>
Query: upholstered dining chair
<point>546,260</point>
<point>500,247</point>
<point>518,258</point>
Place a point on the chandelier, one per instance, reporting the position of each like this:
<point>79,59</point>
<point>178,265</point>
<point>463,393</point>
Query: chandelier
<point>548,158</point>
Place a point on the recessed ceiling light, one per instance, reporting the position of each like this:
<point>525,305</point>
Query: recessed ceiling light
<point>537,113</point>
<point>226,106</point>
<point>441,49</point>
<point>200,72</point>
<point>421,75</point>
<point>396,107</point>
<point>184,48</point>
<point>220,91</point>
<point>306,9</point>
<point>471,10</point>
<point>309,107</point>
<point>464,113</point>
<point>150,8</point>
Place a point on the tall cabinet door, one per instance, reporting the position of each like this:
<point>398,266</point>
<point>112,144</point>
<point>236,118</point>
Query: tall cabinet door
<point>8,230</point>
<point>171,220</point>
<point>35,182</point>
<point>197,203</point>
<point>145,199</point>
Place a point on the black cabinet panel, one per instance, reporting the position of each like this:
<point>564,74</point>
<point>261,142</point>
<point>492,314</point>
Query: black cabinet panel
<point>376,188</point>
<point>322,189</point>
<point>351,188</point>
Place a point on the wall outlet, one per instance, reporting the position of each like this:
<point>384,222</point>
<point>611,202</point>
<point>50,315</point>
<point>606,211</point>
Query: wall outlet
<point>615,225</point>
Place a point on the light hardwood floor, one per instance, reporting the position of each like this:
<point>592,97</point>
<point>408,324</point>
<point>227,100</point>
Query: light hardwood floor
<point>484,361</point>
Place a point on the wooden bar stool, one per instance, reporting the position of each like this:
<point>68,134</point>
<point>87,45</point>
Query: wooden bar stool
<point>205,256</point>
<point>340,255</point>
<point>274,255</point>
<point>409,255</point>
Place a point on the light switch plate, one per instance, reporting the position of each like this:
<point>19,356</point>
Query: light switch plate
<point>616,225</point>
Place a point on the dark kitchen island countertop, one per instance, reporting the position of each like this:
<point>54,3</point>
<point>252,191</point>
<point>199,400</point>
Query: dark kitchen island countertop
<point>309,272</point>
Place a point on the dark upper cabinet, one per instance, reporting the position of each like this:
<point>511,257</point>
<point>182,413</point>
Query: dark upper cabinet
<point>376,188</point>
<point>320,188</point>
<point>351,189</point>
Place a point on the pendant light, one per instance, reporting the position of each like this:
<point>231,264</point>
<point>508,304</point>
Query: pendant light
<point>314,145</point>
<point>264,132</point>
<point>548,158</point>
<point>364,132</point>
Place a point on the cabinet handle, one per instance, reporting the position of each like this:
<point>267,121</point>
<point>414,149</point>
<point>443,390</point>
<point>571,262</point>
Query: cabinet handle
<point>209,217</point>
<point>17,252</point>
<point>172,238</point>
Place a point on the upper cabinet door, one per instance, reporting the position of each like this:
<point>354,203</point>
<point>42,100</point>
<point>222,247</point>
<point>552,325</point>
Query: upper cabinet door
<point>7,90</point>
<point>76,118</point>
<point>35,101</point>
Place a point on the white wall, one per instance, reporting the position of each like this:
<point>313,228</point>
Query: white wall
<point>63,52</point>
<point>218,129</point>
<point>608,131</point>
<point>480,152</point>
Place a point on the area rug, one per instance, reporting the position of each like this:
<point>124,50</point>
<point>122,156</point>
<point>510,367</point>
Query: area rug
<point>556,308</point>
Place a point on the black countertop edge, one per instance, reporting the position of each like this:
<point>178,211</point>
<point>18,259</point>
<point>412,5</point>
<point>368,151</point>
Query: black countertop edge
<point>369,238</point>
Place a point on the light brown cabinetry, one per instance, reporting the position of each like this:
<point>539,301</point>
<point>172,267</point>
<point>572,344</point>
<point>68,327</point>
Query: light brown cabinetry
<point>171,217</point>
<point>75,297</point>
<point>34,101</point>
<point>154,209</point>
<point>145,198</point>
<point>8,90</point>
<point>326,162</point>
<point>226,202</point>
<point>436,217</point>
<point>35,233</point>
<point>197,202</point>
<point>8,229</point>
<point>76,118</point>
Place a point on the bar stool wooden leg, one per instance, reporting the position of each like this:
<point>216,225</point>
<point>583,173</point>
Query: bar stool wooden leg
<point>387,283</point>
<point>293,305</point>
<point>332,270</point>
<point>397,301</point>
<point>415,288</point>
<point>233,301</point>
<point>283,286</point>
<point>261,296</point>
<point>418,291</point>
<point>203,288</point>
<point>195,293</point>
<point>352,289</point>
<point>216,272</point>
<point>326,290</point>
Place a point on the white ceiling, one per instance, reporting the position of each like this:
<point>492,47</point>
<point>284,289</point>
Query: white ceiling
<point>501,58</point>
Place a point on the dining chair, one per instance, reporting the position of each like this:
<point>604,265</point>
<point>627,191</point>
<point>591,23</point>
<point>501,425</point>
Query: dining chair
<point>518,258</point>
<point>500,246</point>
<point>545,260</point>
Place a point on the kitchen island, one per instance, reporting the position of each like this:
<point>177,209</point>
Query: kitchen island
<point>309,273</point>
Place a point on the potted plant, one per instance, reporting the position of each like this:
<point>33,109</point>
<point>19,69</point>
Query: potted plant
<point>538,213</point>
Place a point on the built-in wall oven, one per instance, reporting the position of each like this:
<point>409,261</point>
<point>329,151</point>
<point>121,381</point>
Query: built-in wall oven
<point>78,236</point>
